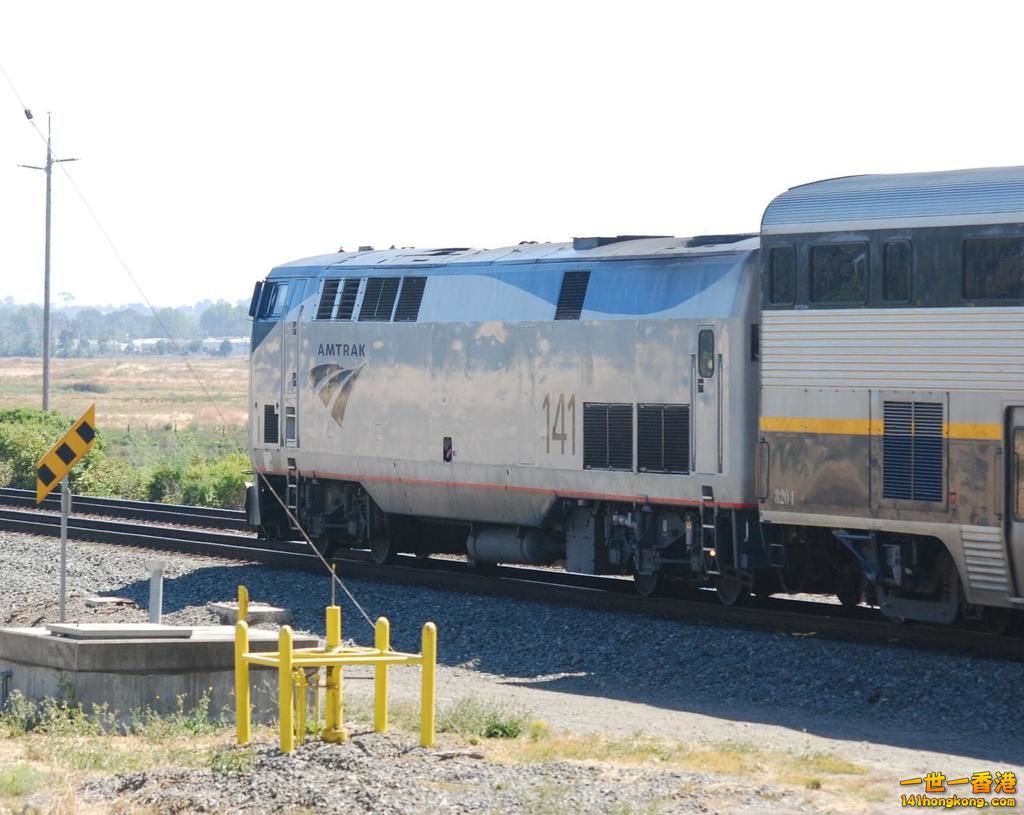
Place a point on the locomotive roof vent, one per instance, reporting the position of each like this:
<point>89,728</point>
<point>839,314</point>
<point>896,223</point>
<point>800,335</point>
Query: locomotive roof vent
<point>711,240</point>
<point>366,248</point>
<point>451,250</point>
<point>593,243</point>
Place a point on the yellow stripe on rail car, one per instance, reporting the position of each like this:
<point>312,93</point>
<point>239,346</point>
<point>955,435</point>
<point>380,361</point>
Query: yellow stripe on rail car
<point>872,427</point>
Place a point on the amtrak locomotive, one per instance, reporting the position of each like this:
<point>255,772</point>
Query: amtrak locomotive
<point>835,405</point>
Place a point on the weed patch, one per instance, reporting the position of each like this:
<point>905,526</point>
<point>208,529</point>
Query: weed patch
<point>21,779</point>
<point>470,716</point>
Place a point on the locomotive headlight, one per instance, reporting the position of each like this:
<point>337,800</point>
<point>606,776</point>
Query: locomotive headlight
<point>712,553</point>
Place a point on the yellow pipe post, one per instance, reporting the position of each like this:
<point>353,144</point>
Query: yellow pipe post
<point>243,710</point>
<point>300,706</point>
<point>382,642</point>
<point>316,702</point>
<point>429,684</point>
<point>243,603</point>
<point>334,729</point>
<point>284,689</point>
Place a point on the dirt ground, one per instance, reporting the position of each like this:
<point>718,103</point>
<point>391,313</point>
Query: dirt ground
<point>140,391</point>
<point>575,716</point>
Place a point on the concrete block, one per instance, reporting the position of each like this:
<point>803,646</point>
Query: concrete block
<point>130,673</point>
<point>258,613</point>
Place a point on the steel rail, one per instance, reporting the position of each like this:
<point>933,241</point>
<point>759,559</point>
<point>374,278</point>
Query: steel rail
<point>206,517</point>
<point>784,616</point>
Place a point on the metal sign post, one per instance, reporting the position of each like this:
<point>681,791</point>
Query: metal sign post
<point>53,468</point>
<point>65,510</point>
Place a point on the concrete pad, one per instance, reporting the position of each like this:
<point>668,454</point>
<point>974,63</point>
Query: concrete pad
<point>118,631</point>
<point>257,613</point>
<point>140,672</point>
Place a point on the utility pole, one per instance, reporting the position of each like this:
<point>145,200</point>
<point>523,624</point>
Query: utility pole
<point>48,169</point>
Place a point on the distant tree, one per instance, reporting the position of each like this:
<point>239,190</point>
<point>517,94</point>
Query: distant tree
<point>223,320</point>
<point>21,331</point>
<point>126,324</point>
<point>91,324</point>
<point>225,348</point>
<point>173,323</point>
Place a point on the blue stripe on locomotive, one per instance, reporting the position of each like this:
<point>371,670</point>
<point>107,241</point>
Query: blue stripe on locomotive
<point>673,287</point>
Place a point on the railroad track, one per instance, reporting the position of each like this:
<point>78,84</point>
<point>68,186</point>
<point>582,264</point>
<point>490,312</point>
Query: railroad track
<point>205,517</point>
<point>784,615</point>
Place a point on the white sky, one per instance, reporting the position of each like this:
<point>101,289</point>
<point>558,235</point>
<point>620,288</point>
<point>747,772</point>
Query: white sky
<point>218,139</point>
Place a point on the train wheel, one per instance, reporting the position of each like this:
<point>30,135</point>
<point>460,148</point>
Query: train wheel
<point>995,620</point>
<point>850,588</point>
<point>383,549</point>
<point>325,545</point>
<point>646,584</point>
<point>732,587</point>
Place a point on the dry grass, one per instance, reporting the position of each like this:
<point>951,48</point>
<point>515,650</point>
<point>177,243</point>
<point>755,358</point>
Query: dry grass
<point>755,764</point>
<point>143,392</point>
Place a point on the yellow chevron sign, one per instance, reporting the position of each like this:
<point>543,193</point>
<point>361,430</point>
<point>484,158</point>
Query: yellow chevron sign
<point>65,454</point>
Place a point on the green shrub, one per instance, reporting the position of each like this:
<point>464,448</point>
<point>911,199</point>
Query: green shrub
<point>472,717</point>
<point>179,471</point>
<point>21,779</point>
<point>232,760</point>
<point>220,483</point>
<point>164,483</point>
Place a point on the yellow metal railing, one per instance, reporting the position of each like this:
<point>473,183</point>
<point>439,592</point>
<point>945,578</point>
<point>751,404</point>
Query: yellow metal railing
<point>292,664</point>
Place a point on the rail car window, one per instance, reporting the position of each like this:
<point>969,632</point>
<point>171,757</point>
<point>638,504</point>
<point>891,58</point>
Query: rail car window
<point>896,272</point>
<point>289,427</point>
<point>571,295</point>
<point>1018,474</point>
<point>839,273</point>
<point>255,301</point>
<point>782,274</point>
<point>607,436</point>
<point>706,353</point>
<point>275,297</point>
<point>663,438</point>
<point>325,309</point>
<point>379,299</point>
<point>993,268</point>
<point>912,451</point>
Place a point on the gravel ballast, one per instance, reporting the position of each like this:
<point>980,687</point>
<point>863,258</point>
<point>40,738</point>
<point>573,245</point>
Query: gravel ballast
<point>578,669</point>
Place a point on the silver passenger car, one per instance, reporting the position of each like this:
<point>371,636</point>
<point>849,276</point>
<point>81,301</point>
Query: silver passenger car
<point>892,416</point>
<point>593,402</point>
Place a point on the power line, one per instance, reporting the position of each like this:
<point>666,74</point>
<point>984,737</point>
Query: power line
<point>178,349</point>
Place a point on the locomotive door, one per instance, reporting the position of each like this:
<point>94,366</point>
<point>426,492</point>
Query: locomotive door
<point>1015,497</point>
<point>290,379</point>
<point>707,397</point>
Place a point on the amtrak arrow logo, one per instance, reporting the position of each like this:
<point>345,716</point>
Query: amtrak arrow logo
<point>333,384</point>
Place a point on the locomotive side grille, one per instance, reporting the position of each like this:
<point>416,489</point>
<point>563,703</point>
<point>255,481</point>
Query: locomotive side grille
<point>270,424</point>
<point>570,298</point>
<point>348,298</point>
<point>927,451</point>
<point>649,439</point>
<point>379,299</point>
<point>327,296</point>
<point>663,438</point>
<point>595,436</point>
<point>912,454</point>
<point>607,436</point>
<point>897,455</point>
<point>409,300</point>
<point>620,437</point>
